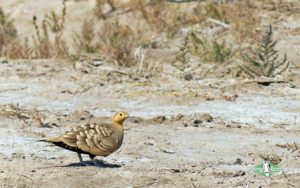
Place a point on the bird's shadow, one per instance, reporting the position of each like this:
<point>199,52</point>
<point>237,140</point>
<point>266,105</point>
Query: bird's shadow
<point>99,163</point>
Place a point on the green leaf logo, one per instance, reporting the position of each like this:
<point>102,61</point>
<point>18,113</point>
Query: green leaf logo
<point>267,169</point>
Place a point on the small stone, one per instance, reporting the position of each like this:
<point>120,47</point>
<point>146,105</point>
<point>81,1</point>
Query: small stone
<point>238,161</point>
<point>197,121</point>
<point>175,170</point>
<point>207,118</point>
<point>188,77</point>
<point>177,117</point>
<point>195,125</point>
<point>137,120</point>
<point>159,119</point>
<point>150,143</point>
<point>168,151</point>
<point>239,173</point>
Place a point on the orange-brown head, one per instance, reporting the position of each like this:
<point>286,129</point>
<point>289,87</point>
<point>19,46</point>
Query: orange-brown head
<point>120,117</point>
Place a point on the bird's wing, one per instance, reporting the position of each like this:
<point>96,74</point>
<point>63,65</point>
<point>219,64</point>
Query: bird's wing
<point>96,139</point>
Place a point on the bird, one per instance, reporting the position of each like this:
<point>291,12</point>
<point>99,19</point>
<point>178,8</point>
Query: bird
<point>94,139</point>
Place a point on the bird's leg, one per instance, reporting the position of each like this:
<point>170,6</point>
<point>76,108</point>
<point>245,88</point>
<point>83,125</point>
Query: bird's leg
<point>80,158</point>
<point>93,159</point>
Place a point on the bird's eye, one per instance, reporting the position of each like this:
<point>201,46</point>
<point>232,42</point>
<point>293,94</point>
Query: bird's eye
<point>121,114</point>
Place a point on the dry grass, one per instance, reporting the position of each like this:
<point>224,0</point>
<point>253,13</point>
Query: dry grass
<point>162,16</point>
<point>241,18</point>
<point>10,46</point>
<point>117,42</point>
<point>28,116</point>
<point>46,46</point>
<point>84,41</point>
<point>114,41</point>
<point>43,44</point>
<point>272,157</point>
<point>290,147</point>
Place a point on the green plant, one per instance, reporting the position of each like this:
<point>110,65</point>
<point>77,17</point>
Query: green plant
<point>213,52</point>
<point>182,62</point>
<point>263,61</point>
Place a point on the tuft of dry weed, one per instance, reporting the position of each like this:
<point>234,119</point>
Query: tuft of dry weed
<point>26,115</point>
<point>290,147</point>
<point>84,41</point>
<point>240,17</point>
<point>46,46</point>
<point>117,42</point>
<point>8,35</point>
<point>163,16</point>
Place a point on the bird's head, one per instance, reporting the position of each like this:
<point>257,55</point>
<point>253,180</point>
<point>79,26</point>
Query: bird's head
<point>120,117</point>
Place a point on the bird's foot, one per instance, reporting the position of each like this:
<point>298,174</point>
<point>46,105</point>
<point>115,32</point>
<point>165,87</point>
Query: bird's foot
<point>84,164</point>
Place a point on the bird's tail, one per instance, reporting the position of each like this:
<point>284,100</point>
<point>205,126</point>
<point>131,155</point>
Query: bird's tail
<point>43,140</point>
<point>35,140</point>
<point>52,140</point>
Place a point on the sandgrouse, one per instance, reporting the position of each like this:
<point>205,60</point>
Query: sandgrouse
<point>95,139</point>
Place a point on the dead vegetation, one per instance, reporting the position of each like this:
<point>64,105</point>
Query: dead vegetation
<point>46,45</point>
<point>290,147</point>
<point>43,44</point>
<point>28,116</point>
<point>10,45</point>
<point>116,41</point>
<point>272,157</point>
<point>84,41</point>
<point>161,16</point>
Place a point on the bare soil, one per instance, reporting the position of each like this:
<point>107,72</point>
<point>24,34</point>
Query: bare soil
<point>207,132</point>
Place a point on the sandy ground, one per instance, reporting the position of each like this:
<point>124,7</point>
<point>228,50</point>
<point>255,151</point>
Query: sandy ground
<point>207,132</point>
<point>174,139</point>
